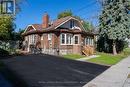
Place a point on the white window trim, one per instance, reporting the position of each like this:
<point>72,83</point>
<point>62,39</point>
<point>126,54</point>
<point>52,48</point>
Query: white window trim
<point>72,24</point>
<point>74,40</point>
<point>65,40</point>
<point>42,37</point>
<point>90,41</point>
<point>50,36</point>
<point>61,39</point>
<point>32,39</point>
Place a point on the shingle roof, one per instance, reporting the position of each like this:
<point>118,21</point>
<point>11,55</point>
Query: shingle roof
<point>37,26</point>
<point>54,23</point>
<point>61,20</point>
<point>52,26</point>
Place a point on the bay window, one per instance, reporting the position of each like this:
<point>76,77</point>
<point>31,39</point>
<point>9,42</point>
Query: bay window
<point>89,41</point>
<point>66,39</point>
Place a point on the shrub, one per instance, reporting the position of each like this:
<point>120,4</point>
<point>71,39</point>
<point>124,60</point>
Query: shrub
<point>3,53</point>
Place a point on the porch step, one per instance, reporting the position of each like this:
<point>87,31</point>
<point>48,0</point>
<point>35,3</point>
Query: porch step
<point>85,53</point>
<point>88,50</point>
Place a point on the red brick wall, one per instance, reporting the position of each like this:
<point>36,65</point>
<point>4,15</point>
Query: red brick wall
<point>75,49</point>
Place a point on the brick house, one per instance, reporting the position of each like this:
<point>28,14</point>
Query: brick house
<point>62,36</point>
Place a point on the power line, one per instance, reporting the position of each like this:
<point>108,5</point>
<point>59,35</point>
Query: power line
<point>77,11</point>
<point>90,11</point>
<point>93,17</point>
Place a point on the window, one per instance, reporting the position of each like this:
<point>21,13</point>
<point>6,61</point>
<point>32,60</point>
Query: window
<point>35,38</point>
<point>49,36</point>
<point>42,37</point>
<point>72,24</point>
<point>76,40</point>
<point>32,39</point>
<point>66,39</point>
<point>62,38</point>
<point>89,41</point>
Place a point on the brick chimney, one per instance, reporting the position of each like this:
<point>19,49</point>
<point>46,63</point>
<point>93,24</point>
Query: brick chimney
<point>45,21</point>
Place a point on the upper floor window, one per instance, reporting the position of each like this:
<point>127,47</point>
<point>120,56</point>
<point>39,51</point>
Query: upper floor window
<point>72,23</point>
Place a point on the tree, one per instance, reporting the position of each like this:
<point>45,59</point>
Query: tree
<point>115,21</point>
<point>6,27</point>
<point>64,14</point>
<point>17,35</point>
<point>88,26</point>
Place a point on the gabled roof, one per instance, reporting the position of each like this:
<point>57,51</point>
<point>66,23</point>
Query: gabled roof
<point>57,23</point>
<point>37,26</point>
<point>60,21</point>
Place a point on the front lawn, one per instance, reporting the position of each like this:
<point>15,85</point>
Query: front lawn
<point>73,56</point>
<point>109,59</point>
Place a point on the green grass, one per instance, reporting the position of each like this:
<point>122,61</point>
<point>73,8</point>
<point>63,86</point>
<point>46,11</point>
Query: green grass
<point>73,56</point>
<point>109,59</point>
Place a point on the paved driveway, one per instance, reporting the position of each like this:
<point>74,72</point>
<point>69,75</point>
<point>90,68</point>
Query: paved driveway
<point>4,82</point>
<point>51,71</point>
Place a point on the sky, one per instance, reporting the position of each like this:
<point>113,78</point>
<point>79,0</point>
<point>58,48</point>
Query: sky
<point>32,11</point>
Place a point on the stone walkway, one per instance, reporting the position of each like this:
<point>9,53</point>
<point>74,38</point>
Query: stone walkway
<point>115,76</point>
<point>89,57</point>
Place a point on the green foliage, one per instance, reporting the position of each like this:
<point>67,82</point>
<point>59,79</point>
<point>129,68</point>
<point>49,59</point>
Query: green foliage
<point>88,26</point>
<point>64,14</point>
<point>6,27</point>
<point>114,20</point>
<point>3,53</point>
<point>17,35</point>
<point>105,45</point>
<point>109,59</point>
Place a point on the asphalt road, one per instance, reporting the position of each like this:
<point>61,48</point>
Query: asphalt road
<point>4,82</point>
<point>51,71</point>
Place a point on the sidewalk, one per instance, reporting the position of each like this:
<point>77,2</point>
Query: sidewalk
<point>115,76</point>
<point>87,58</point>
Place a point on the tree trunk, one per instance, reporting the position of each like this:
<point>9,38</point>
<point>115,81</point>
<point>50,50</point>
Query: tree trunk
<point>114,48</point>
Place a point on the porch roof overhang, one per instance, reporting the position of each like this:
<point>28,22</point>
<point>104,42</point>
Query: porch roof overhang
<point>73,31</point>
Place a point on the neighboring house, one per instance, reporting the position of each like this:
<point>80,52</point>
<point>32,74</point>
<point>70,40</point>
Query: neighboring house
<point>62,36</point>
